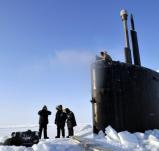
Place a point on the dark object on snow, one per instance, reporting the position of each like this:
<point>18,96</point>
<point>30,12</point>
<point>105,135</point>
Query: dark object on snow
<point>43,121</point>
<point>124,95</point>
<point>27,138</point>
<point>60,120</point>
<point>71,122</point>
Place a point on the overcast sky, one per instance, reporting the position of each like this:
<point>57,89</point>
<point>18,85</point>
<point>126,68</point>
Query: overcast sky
<point>47,46</point>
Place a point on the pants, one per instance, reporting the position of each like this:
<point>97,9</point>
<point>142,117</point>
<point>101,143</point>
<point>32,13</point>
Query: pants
<point>70,131</point>
<point>43,128</point>
<point>59,129</point>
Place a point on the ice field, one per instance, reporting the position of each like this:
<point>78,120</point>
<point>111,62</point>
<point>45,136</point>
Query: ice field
<point>122,141</point>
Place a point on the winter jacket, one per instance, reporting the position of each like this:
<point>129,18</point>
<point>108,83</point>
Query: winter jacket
<point>60,118</point>
<point>43,120</point>
<point>71,121</point>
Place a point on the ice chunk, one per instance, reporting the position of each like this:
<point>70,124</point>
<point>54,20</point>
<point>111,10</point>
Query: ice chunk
<point>153,140</point>
<point>86,131</point>
<point>112,134</point>
<point>147,133</point>
<point>155,132</point>
<point>129,140</point>
<point>139,135</point>
<point>86,127</point>
<point>100,135</point>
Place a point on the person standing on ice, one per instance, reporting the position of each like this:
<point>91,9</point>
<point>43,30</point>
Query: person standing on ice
<point>43,121</point>
<point>60,120</point>
<point>105,56</point>
<point>71,122</point>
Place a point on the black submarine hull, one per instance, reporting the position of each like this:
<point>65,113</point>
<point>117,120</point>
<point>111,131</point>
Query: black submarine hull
<point>124,96</point>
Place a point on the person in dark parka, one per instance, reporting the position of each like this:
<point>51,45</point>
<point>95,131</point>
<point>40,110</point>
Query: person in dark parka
<point>71,122</point>
<point>43,121</point>
<point>60,120</point>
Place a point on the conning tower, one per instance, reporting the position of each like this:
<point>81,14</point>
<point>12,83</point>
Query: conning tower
<point>125,95</point>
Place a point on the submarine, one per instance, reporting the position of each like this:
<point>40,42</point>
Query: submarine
<point>125,95</point>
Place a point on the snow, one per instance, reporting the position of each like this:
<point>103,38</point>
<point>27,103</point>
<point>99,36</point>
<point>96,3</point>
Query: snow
<point>56,145</point>
<point>122,141</point>
<point>112,134</point>
<point>85,131</point>
<point>128,140</point>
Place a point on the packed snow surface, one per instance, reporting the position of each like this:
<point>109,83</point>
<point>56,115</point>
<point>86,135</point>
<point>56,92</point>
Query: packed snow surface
<point>122,141</point>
